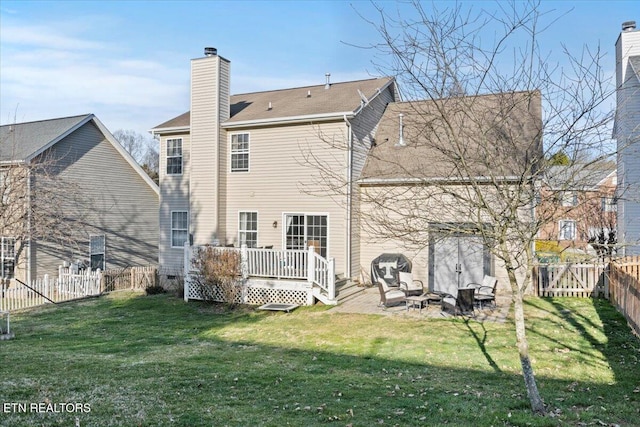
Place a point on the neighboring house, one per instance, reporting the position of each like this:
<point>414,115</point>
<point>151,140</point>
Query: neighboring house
<point>581,210</point>
<point>413,174</point>
<point>107,210</point>
<point>627,133</point>
<point>242,169</point>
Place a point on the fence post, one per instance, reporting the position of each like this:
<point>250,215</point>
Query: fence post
<point>45,287</point>
<point>187,269</point>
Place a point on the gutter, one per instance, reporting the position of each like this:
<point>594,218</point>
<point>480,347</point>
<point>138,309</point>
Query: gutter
<point>289,120</point>
<point>439,180</point>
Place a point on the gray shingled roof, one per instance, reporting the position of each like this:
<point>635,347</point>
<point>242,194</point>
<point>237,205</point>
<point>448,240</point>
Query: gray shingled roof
<point>20,141</point>
<point>496,135</point>
<point>294,102</point>
<point>579,176</point>
<point>635,64</point>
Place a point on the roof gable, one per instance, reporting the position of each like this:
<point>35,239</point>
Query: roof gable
<point>23,141</point>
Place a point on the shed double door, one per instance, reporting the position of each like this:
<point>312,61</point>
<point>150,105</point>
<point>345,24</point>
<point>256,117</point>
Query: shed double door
<point>456,262</point>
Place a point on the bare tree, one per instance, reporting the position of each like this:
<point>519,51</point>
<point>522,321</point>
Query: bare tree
<point>465,154</point>
<point>36,202</point>
<point>142,148</point>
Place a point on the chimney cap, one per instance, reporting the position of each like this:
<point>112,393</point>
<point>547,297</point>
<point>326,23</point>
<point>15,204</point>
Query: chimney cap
<point>210,51</point>
<point>628,25</point>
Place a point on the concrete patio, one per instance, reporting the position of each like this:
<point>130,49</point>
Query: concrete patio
<point>367,302</point>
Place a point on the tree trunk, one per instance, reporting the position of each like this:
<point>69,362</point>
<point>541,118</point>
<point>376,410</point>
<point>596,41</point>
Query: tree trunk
<point>537,405</point>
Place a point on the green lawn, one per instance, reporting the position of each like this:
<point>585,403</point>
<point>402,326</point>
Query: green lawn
<point>154,361</point>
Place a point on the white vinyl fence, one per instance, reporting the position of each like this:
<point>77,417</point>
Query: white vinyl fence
<point>67,286</point>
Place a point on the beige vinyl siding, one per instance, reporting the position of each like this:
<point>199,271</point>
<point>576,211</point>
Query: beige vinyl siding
<point>278,179</point>
<point>207,98</point>
<point>174,196</point>
<point>435,211</point>
<point>116,202</point>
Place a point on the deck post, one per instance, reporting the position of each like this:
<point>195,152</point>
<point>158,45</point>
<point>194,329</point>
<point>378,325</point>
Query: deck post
<point>244,261</point>
<point>186,268</point>
<point>311,265</point>
<point>331,278</point>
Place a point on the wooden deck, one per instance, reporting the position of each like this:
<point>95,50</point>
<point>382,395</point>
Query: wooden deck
<point>367,303</point>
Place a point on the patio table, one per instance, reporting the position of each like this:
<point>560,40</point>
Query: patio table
<point>417,301</point>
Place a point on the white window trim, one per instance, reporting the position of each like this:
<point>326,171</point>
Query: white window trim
<point>561,233</point>
<point>608,204</point>
<point>571,197</point>
<point>250,231</point>
<point>171,229</point>
<point>231,153</point>
<point>4,258</point>
<point>167,156</point>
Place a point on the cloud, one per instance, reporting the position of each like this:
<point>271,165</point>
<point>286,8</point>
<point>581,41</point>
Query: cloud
<point>52,71</point>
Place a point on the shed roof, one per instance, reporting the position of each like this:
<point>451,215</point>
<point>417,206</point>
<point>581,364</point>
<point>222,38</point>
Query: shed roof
<point>496,135</point>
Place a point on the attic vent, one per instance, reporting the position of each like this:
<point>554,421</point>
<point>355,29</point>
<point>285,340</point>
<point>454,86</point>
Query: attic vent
<point>401,142</point>
<point>270,107</point>
<point>629,26</point>
<point>327,85</point>
<point>210,51</point>
<point>308,94</point>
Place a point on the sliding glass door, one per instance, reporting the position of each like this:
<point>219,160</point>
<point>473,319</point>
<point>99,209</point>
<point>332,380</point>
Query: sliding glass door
<point>302,231</point>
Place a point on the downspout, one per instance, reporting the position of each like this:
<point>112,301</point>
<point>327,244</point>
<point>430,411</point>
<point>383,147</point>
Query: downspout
<point>28,252</point>
<point>349,173</point>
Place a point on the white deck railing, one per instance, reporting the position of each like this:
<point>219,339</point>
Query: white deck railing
<point>279,264</point>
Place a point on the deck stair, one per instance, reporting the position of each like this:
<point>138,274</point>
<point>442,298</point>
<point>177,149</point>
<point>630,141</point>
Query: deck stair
<point>347,289</point>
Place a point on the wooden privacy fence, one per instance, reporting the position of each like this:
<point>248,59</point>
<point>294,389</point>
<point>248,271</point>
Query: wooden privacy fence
<point>624,288</point>
<point>570,280</point>
<point>137,278</point>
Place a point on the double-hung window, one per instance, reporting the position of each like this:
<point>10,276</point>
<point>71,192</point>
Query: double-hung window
<point>569,198</point>
<point>240,152</point>
<point>7,257</point>
<point>567,229</point>
<point>248,229</point>
<point>609,204</point>
<point>179,228</point>
<point>174,156</point>
<point>97,246</point>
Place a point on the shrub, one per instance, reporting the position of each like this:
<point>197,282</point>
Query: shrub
<point>219,275</point>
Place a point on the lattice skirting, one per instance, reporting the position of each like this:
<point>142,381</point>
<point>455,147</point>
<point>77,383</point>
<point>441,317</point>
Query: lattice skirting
<point>254,294</point>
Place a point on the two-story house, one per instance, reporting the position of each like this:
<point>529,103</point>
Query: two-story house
<point>70,193</point>
<point>284,170</point>
<point>242,169</point>
<point>579,202</point>
<point>627,134</point>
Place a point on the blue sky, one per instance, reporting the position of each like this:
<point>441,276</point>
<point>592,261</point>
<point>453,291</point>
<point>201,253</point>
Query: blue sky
<point>128,61</point>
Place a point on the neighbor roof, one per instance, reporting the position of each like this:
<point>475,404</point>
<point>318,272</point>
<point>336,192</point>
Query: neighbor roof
<point>496,135</point>
<point>21,141</point>
<point>308,101</point>
<point>579,176</point>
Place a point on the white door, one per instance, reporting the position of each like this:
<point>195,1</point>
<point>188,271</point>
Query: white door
<point>302,231</point>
